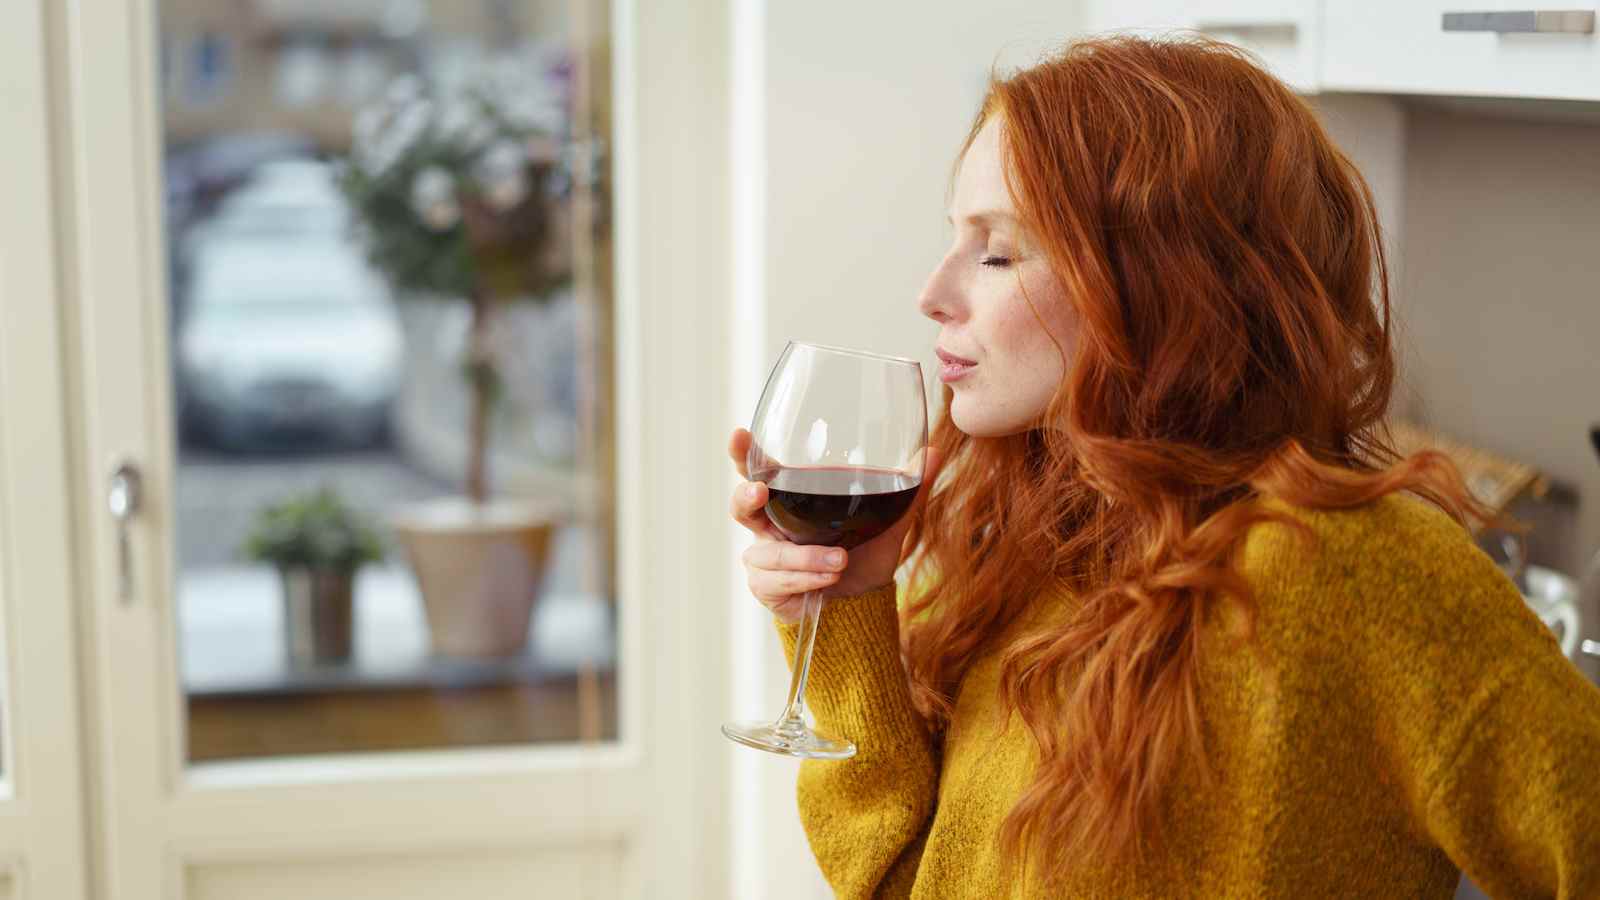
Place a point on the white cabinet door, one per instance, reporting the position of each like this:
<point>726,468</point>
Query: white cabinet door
<point>634,813</point>
<point>1403,48</point>
<point>42,838</point>
<point>1284,34</point>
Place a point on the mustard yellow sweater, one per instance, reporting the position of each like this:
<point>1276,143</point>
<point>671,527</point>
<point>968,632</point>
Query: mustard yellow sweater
<point>1412,718</point>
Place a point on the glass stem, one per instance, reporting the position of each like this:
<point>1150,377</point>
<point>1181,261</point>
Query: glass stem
<point>792,722</point>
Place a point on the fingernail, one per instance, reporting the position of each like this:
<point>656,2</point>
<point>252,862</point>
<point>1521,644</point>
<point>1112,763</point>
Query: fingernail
<point>750,491</point>
<point>835,557</point>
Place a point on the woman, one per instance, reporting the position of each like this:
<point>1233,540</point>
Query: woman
<point>1185,624</point>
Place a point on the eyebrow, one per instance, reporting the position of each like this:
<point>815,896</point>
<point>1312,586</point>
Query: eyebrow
<point>986,216</point>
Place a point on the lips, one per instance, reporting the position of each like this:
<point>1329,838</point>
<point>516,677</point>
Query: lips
<point>950,359</point>
<point>953,367</point>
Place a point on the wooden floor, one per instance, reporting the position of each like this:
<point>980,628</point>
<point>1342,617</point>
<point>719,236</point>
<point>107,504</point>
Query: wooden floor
<point>234,726</point>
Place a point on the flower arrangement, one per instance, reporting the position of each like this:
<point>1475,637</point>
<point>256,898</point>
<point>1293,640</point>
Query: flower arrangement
<point>460,188</point>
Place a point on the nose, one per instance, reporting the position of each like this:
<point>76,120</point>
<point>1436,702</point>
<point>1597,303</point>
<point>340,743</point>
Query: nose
<point>940,299</point>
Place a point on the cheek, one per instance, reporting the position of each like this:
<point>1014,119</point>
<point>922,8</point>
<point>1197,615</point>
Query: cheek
<point>1022,369</point>
<point>1032,364</point>
<point>1033,338</point>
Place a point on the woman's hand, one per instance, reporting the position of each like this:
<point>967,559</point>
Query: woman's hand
<point>780,572</point>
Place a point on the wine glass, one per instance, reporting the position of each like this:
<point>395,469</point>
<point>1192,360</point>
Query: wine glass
<point>839,438</point>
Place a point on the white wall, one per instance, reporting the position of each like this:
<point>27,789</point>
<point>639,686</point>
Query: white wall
<point>860,108</point>
<point>1371,129</point>
<point>866,106</point>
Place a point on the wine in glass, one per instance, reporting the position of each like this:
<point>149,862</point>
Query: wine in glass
<point>840,438</point>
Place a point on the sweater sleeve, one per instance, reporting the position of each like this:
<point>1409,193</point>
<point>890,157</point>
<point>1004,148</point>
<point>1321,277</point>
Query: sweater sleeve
<point>865,817</point>
<point>1516,801</point>
<point>1497,733</point>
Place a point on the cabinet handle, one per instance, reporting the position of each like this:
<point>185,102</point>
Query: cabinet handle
<point>1246,25</point>
<point>1546,21</point>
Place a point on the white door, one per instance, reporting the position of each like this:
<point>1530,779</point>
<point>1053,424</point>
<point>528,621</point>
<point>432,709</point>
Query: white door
<point>42,838</point>
<point>585,764</point>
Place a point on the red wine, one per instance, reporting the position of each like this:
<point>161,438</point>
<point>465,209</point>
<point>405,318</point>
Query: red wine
<point>836,506</point>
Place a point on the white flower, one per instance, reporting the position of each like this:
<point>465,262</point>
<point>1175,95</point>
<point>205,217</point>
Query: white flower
<point>383,138</point>
<point>518,86</point>
<point>461,118</point>
<point>433,198</point>
<point>465,121</point>
<point>505,156</point>
<point>410,124</point>
<point>403,91</point>
<point>369,122</point>
<point>503,174</point>
<point>533,110</point>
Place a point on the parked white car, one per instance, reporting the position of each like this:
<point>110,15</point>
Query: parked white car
<point>287,334</point>
<point>294,197</point>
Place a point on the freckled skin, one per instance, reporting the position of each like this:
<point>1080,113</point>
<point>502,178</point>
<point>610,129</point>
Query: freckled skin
<point>979,294</point>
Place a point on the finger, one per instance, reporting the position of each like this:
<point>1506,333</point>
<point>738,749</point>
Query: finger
<point>784,556</point>
<point>748,508</point>
<point>769,585</point>
<point>739,451</point>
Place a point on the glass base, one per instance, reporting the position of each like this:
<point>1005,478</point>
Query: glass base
<point>801,742</point>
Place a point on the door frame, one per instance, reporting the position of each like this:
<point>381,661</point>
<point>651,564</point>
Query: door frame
<point>660,790</point>
<point>43,838</point>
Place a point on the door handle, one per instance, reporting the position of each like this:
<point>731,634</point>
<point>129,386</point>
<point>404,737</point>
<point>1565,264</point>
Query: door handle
<point>123,499</point>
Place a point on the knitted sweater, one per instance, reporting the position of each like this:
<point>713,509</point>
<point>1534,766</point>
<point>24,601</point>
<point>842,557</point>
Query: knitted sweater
<point>1409,718</point>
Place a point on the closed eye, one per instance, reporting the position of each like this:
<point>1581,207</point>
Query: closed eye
<point>995,262</point>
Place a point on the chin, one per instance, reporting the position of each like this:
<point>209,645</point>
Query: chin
<point>970,416</point>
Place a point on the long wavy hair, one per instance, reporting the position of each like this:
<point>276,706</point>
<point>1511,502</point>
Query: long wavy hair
<point>1223,261</point>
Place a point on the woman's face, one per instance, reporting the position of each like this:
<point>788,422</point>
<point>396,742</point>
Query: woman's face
<point>979,294</point>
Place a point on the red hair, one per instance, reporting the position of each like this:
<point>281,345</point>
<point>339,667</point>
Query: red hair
<point>1223,261</point>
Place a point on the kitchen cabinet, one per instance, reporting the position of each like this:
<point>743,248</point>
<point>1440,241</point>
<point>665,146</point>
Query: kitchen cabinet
<point>1283,33</point>
<point>1405,48</point>
<point>1393,46</point>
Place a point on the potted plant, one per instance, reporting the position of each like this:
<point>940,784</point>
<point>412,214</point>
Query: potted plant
<point>459,191</point>
<point>317,544</point>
